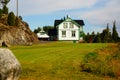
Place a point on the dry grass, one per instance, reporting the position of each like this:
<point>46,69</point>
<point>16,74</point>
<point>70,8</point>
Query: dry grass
<point>104,62</point>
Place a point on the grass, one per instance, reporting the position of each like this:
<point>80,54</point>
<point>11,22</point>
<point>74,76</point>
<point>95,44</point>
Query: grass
<point>55,61</point>
<point>104,62</point>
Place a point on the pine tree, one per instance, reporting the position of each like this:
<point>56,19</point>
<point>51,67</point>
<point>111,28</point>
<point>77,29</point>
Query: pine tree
<point>4,5</point>
<point>17,21</point>
<point>37,30</point>
<point>105,35</point>
<point>4,2</point>
<point>93,36</point>
<point>108,34</point>
<point>11,19</point>
<point>5,9</point>
<point>1,13</point>
<point>115,33</point>
<point>87,38</point>
<point>98,38</point>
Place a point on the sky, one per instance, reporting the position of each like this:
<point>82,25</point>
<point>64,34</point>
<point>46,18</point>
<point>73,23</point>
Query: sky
<point>95,13</point>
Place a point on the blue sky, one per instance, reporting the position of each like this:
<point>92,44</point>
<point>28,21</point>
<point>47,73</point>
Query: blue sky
<point>95,13</point>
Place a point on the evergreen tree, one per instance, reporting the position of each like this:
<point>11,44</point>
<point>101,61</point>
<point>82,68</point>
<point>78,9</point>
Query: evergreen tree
<point>20,17</point>
<point>84,36</point>
<point>105,35</point>
<point>98,38</point>
<point>108,34</point>
<point>5,10</point>
<point>87,38</point>
<point>17,21</point>
<point>93,37</point>
<point>37,30</point>
<point>4,3</point>
<point>115,36</point>
<point>1,13</point>
<point>11,19</point>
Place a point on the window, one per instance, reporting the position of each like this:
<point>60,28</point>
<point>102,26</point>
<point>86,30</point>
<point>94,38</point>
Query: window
<point>71,25</point>
<point>65,25</point>
<point>73,33</point>
<point>63,33</point>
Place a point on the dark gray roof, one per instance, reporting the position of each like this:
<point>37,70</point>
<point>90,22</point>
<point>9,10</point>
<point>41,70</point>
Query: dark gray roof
<point>57,22</point>
<point>80,22</point>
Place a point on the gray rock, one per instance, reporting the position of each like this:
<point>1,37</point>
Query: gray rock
<point>10,68</point>
<point>16,35</point>
<point>1,42</point>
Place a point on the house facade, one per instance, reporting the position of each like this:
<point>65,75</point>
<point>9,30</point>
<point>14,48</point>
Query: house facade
<point>69,29</point>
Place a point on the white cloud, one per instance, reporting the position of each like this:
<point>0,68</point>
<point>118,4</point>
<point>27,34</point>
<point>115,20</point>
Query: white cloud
<point>110,12</point>
<point>99,17</point>
<point>31,7</point>
<point>96,15</point>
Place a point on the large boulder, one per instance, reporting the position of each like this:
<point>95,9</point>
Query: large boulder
<point>10,68</point>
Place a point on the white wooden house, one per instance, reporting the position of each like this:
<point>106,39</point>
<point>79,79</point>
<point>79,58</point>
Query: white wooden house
<point>69,29</point>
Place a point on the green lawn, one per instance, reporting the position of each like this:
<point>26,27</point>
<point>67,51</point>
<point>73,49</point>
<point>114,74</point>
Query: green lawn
<point>55,61</point>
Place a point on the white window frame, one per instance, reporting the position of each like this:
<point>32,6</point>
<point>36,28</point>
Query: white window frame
<point>71,25</point>
<point>63,33</point>
<point>73,33</point>
<point>65,25</point>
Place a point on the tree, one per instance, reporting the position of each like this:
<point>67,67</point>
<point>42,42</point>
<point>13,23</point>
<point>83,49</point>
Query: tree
<point>115,36</point>
<point>11,19</point>
<point>92,37</point>
<point>20,17</point>
<point>84,36</point>
<point>52,32</point>
<point>4,3</point>
<point>87,38</point>
<point>1,13</point>
<point>98,38</point>
<point>5,9</point>
<point>17,21</point>
<point>106,35</point>
<point>37,30</point>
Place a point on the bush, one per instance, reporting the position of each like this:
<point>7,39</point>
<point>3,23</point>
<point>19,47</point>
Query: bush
<point>89,64</point>
<point>5,10</point>
<point>90,57</point>
<point>1,13</point>
<point>16,21</point>
<point>20,17</point>
<point>11,19</point>
<point>103,64</point>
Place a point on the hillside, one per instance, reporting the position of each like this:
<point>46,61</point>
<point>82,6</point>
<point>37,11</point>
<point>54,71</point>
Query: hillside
<point>16,35</point>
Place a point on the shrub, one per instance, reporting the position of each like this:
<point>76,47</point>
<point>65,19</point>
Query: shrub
<point>103,64</point>
<point>90,57</point>
<point>5,10</point>
<point>88,64</point>
<point>20,17</point>
<point>1,13</point>
<point>11,19</point>
<point>16,21</point>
